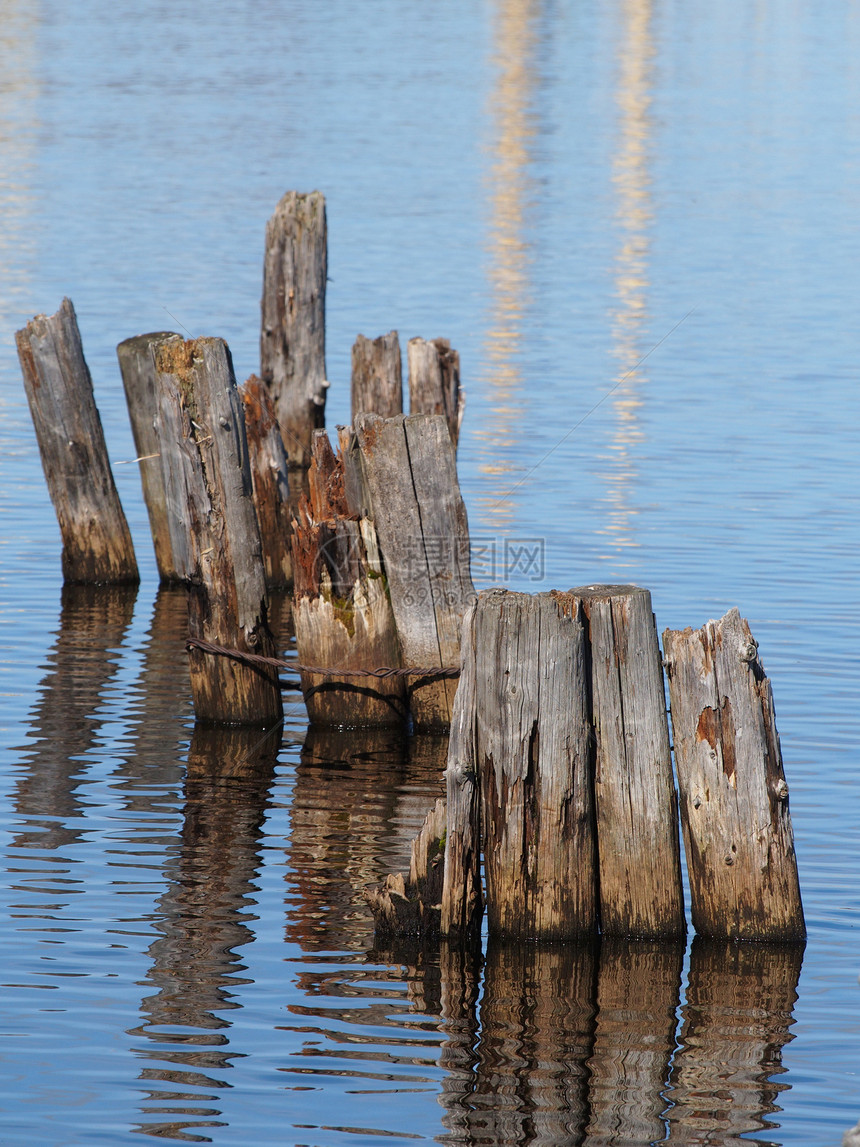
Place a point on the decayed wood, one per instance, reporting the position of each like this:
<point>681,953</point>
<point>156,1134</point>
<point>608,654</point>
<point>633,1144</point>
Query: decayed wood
<point>635,802</point>
<point>377,376</point>
<point>214,533</point>
<point>97,544</point>
<point>734,797</point>
<point>736,1020</point>
<point>434,382</point>
<point>292,341</point>
<point>409,477</point>
<point>139,378</point>
<point>270,477</point>
<point>535,759</point>
<point>638,991</point>
<point>462,900</point>
<point>341,611</point>
<point>411,904</point>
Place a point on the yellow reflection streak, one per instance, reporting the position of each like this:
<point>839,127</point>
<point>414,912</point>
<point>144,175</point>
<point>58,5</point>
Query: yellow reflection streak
<point>18,91</point>
<point>508,190</point>
<point>632,181</point>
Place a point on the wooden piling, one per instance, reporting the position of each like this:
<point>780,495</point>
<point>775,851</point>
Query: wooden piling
<point>214,532</point>
<point>341,611</point>
<point>462,899</point>
<point>636,807</point>
<point>97,544</point>
<point>139,378</point>
<point>271,482</point>
<point>409,477</point>
<point>734,797</point>
<point>292,340</point>
<point>535,757</point>
<point>377,376</point>
<point>434,382</point>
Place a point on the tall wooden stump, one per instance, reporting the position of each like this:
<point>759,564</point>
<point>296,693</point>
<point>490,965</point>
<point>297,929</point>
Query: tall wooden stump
<point>214,530</point>
<point>637,812</point>
<point>377,376</point>
<point>271,482</point>
<point>410,476</point>
<point>97,544</point>
<point>292,340</point>
<point>434,382</point>
<point>734,797</point>
<point>140,381</point>
<point>341,611</point>
<point>534,751</point>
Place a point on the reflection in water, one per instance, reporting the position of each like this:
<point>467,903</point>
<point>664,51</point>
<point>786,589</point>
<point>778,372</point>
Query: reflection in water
<point>19,21</point>
<point>66,720</point>
<point>203,918</point>
<point>509,188</point>
<point>575,1045</point>
<point>736,1021</point>
<point>360,799</point>
<point>632,181</point>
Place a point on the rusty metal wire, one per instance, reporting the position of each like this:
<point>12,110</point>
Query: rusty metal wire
<point>295,667</point>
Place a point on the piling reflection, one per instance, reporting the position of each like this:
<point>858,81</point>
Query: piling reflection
<point>203,918</point>
<point>65,722</point>
<point>360,798</point>
<point>736,1021</point>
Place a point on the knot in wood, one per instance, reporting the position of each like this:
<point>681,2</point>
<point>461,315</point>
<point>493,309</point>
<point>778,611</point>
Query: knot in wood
<point>730,860</point>
<point>252,639</point>
<point>224,422</point>
<point>781,789</point>
<point>747,651</point>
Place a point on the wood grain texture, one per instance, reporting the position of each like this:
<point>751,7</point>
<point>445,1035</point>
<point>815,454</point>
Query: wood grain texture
<point>434,382</point>
<point>214,532</point>
<point>636,805</point>
<point>271,481</point>
<point>535,758</point>
<point>292,340</point>
<point>734,797</point>
<point>377,376</point>
<point>409,477</point>
<point>341,610</point>
<point>139,378</point>
<point>462,898</point>
<point>97,546</point>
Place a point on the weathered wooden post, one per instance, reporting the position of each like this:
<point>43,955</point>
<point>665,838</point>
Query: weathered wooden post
<point>292,340</point>
<point>377,376</point>
<point>271,481</point>
<point>535,753</point>
<point>641,892</point>
<point>434,382</point>
<point>214,532</point>
<point>97,544</point>
<point>410,479</point>
<point>341,612</point>
<point>139,378</point>
<point>734,797</point>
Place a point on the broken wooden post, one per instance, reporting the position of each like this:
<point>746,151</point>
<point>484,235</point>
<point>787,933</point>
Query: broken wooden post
<point>139,378</point>
<point>270,478</point>
<point>410,484</point>
<point>214,532</point>
<point>292,340</point>
<point>636,807</point>
<point>377,376</point>
<point>434,382</point>
<point>341,612</point>
<point>411,905</point>
<point>97,544</point>
<point>734,797</point>
<point>535,756</point>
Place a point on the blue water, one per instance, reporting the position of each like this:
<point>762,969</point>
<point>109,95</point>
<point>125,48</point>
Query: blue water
<point>637,221</point>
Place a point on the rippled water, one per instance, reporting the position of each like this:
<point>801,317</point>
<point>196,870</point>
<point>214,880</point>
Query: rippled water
<point>637,221</point>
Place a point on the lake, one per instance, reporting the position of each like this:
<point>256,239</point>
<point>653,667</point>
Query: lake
<point>637,222</point>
